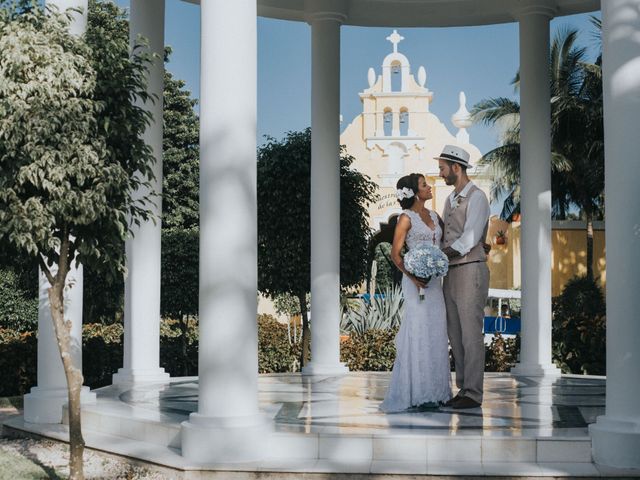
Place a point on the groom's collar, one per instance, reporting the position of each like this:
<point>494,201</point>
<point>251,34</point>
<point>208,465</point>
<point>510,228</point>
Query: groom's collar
<point>465,191</point>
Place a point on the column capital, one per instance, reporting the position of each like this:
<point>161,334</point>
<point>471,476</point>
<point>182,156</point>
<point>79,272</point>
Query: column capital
<point>525,8</point>
<point>323,10</point>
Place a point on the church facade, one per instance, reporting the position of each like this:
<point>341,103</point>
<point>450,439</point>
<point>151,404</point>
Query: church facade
<point>397,134</point>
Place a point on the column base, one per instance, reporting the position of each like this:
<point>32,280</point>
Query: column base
<point>616,442</point>
<point>325,369</point>
<point>46,405</point>
<point>536,370</point>
<point>208,440</point>
<point>127,376</point>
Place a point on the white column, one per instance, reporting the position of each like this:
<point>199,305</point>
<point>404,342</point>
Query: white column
<point>535,190</point>
<point>141,361</point>
<point>325,195</point>
<point>44,402</point>
<point>228,426</point>
<point>616,435</point>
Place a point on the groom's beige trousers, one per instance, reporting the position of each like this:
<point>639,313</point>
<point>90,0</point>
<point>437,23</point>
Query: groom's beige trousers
<point>466,287</point>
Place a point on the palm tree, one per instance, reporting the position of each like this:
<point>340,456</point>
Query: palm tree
<point>577,166</point>
<point>582,142</point>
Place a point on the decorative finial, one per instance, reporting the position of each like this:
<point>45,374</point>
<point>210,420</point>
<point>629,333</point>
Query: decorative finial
<point>395,38</point>
<point>422,76</point>
<point>371,77</point>
<point>462,120</point>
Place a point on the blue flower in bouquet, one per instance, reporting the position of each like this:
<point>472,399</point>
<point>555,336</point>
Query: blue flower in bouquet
<point>426,261</point>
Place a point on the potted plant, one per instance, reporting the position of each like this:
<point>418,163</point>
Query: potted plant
<point>501,237</point>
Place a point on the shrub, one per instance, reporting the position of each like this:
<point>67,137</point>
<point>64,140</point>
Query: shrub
<point>371,350</point>
<point>502,354</point>
<point>380,313</point>
<point>579,328</point>
<point>275,353</point>
<point>102,353</point>
<point>18,309</point>
<point>179,346</point>
<point>17,362</point>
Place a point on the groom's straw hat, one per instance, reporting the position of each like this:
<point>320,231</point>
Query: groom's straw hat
<point>456,154</point>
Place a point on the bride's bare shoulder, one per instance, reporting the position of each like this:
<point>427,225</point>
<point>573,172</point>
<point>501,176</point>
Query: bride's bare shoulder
<point>404,221</point>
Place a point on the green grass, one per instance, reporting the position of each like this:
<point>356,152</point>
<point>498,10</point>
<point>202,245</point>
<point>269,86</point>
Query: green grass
<point>14,467</point>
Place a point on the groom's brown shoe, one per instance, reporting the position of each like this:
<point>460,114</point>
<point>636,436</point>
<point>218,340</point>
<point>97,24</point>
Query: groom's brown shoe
<point>465,402</point>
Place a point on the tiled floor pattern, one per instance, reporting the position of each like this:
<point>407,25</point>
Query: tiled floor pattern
<point>526,426</point>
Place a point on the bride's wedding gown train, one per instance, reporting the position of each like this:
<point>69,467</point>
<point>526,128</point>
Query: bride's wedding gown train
<point>421,372</point>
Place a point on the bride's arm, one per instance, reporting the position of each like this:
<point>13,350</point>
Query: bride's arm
<point>399,237</point>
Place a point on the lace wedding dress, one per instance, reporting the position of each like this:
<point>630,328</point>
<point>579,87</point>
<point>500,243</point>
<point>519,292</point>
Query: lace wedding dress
<point>421,368</point>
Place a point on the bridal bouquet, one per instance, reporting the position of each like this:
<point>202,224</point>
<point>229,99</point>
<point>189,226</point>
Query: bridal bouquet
<point>426,261</point>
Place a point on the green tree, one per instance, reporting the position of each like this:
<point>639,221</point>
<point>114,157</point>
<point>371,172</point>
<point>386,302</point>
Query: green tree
<point>284,243</point>
<point>108,36</point>
<point>577,157</point>
<point>66,173</point>
<point>181,155</point>
<point>180,207</point>
<point>179,294</point>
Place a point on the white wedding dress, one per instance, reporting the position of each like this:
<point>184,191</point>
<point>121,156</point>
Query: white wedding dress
<point>421,372</point>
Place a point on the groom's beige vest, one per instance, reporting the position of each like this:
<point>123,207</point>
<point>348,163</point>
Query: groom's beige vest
<point>454,219</point>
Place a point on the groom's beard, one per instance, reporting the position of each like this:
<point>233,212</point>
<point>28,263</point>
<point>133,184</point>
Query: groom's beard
<point>451,179</point>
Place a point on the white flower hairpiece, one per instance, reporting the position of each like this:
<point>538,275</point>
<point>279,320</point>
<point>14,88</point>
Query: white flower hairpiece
<point>404,192</point>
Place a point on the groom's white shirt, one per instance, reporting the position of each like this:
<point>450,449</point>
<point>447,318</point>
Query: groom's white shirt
<point>478,212</point>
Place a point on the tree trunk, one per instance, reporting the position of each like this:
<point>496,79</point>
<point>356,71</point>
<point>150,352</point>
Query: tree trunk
<point>183,344</point>
<point>306,332</point>
<point>589,245</point>
<point>73,375</point>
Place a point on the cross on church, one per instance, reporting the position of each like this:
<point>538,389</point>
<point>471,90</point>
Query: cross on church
<point>395,38</point>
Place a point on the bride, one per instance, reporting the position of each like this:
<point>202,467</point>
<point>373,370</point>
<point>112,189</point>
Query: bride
<point>421,374</point>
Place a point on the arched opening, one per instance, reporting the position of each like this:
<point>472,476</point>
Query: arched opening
<point>396,76</point>
<point>387,118</point>
<point>404,122</point>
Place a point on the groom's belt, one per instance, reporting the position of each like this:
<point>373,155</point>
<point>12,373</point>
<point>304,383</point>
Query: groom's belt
<point>466,263</point>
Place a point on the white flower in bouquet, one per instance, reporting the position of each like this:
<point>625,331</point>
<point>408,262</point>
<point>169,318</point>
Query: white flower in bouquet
<point>425,262</point>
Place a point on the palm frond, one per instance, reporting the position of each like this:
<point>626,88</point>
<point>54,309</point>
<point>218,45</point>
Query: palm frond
<point>490,111</point>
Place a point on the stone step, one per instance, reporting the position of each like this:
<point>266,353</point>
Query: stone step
<point>386,447</point>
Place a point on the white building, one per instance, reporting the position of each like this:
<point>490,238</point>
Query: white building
<point>397,134</point>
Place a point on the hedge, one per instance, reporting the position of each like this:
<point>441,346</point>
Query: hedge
<point>371,350</point>
<point>18,308</point>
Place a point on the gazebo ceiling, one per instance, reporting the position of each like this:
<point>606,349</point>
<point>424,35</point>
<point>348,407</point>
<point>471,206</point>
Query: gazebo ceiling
<point>416,13</point>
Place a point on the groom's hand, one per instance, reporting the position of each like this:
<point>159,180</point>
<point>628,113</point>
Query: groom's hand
<point>450,252</point>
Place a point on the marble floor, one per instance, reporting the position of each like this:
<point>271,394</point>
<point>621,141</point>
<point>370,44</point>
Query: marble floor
<point>513,406</point>
<point>526,426</point>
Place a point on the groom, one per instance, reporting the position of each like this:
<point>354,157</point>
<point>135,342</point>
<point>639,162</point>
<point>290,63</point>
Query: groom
<point>466,286</point>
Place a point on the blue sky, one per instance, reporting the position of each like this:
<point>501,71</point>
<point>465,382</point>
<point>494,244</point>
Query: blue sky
<point>481,61</point>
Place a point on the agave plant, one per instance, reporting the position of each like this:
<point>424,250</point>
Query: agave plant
<point>383,312</point>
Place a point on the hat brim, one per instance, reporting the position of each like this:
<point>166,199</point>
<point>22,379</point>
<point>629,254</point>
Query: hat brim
<point>461,162</point>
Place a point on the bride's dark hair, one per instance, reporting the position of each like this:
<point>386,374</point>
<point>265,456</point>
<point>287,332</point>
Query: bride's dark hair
<point>411,181</point>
